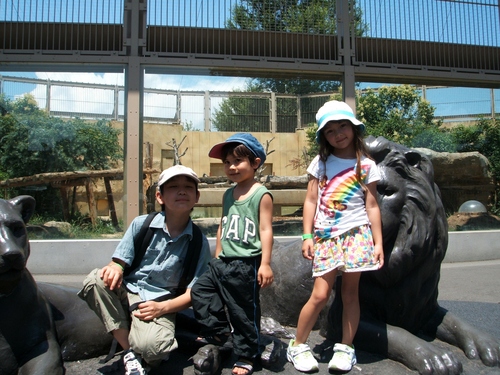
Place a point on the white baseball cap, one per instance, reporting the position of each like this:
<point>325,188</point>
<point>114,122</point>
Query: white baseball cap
<point>335,111</point>
<point>177,170</point>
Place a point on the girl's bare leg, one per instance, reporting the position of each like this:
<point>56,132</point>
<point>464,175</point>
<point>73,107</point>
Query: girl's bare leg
<point>319,297</point>
<point>350,306</point>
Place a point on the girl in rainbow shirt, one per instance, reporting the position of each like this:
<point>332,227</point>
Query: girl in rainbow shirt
<point>342,230</point>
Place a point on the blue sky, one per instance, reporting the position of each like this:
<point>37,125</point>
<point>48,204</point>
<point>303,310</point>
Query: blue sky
<point>449,21</point>
<point>88,11</point>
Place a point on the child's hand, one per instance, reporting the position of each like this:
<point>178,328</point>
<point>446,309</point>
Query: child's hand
<point>112,276</point>
<point>148,310</point>
<point>265,276</point>
<point>308,249</point>
<point>379,255</point>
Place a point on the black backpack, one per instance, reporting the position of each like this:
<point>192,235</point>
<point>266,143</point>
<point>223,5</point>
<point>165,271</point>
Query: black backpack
<point>141,243</point>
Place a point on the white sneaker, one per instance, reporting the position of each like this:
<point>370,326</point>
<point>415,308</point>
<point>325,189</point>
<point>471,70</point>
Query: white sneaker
<point>132,364</point>
<point>343,358</point>
<point>301,357</point>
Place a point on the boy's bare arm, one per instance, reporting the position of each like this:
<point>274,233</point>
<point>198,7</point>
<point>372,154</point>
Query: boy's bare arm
<point>265,273</point>
<point>218,245</point>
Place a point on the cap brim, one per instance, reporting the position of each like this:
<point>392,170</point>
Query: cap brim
<point>164,177</point>
<point>216,151</point>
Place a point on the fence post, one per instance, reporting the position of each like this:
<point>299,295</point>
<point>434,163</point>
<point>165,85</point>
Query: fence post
<point>47,95</point>
<point>299,112</point>
<point>206,112</point>
<point>273,113</point>
<point>492,96</point>
<point>115,106</point>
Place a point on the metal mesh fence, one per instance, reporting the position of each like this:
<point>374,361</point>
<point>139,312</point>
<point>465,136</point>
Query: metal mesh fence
<point>430,33</point>
<point>225,111</point>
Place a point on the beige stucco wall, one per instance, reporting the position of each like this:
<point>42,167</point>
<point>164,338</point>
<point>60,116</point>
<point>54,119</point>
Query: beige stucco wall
<point>285,147</point>
<point>196,145</point>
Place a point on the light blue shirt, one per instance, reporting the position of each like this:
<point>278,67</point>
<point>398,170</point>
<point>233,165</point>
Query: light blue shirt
<point>161,269</point>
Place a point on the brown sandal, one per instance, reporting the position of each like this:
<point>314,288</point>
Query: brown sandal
<point>244,363</point>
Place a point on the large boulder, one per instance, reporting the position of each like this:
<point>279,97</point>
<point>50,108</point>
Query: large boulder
<point>461,177</point>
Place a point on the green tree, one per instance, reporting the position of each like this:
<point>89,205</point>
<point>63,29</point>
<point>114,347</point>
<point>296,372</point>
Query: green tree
<point>33,142</point>
<point>483,137</point>
<point>242,113</point>
<point>400,114</point>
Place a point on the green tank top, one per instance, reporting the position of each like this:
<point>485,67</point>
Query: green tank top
<point>240,235</point>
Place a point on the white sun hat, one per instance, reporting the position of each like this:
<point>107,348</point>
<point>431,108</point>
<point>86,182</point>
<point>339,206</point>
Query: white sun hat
<point>335,111</point>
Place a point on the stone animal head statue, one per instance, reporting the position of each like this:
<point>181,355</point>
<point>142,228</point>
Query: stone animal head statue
<point>415,233</point>
<point>14,244</point>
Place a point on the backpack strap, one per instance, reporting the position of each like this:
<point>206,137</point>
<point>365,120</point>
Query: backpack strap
<point>191,261</point>
<point>141,243</point>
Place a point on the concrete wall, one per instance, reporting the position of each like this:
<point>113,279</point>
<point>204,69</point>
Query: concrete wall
<point>81,256</point>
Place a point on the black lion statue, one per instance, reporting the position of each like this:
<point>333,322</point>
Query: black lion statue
<point>41,325</point>
<point>399,302</point>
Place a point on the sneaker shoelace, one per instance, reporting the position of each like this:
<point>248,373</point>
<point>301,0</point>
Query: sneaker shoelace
<point>132,365</point>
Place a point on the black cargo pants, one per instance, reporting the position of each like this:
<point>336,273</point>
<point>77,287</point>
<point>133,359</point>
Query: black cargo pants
<point>230,283</point>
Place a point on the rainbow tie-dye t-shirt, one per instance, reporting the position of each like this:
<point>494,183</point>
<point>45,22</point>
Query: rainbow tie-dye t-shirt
<point>341,199</point>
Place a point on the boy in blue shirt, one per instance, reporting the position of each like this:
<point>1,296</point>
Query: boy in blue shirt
<point>139,309</point>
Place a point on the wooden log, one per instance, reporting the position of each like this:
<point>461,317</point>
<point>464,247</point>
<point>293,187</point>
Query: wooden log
<point>47,178</point>
<point>91,202</point>
<point>65,203</point>
<point>111,204</point>
<point>285,182</point>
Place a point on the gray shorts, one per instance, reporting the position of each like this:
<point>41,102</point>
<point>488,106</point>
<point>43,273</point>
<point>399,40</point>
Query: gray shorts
<point>153,339</point>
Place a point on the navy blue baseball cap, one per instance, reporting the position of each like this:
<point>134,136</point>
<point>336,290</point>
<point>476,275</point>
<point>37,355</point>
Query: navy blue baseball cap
<point>246,139</point>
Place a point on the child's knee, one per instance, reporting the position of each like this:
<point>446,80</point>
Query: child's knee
<point>90,281</point>
<point>152,349</point>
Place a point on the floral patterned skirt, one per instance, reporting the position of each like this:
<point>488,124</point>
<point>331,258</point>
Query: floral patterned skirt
<point>352,251</point>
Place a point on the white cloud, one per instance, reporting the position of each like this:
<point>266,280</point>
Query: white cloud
<point>99,78</point>
<point>101,101</point>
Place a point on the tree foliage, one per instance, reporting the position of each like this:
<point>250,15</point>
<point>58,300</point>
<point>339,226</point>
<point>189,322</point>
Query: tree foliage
<point>400,114</point>
<point>33,142</point>
<point>292,16</point>
<point>243,113</point>
<point>483,137</point>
